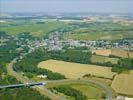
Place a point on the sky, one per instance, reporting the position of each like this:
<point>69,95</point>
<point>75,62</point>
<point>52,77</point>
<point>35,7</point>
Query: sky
<point>67,6</point>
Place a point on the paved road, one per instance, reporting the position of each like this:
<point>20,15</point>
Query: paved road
<point>41,89</point>
<point>51,95</point>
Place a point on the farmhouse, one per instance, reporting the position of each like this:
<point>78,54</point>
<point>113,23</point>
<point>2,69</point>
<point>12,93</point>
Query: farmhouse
<point>42,76</point>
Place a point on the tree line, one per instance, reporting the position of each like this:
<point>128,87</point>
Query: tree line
<point>22,93</point>
<point>69,91</point>
<point>29,63</point>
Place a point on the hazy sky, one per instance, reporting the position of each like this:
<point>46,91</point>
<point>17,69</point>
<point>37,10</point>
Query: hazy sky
<point>116,6</point>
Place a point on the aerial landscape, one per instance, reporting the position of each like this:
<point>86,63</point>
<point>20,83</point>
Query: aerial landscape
<point>66,50</point>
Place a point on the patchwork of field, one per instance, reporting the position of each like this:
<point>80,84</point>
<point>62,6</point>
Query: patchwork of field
<point>34,28</point>
<point>102,52</point>
<point>115,52</point>
<point>123,84</point>
<point>97,36</point>
<point>101,31</point>
<point>75,70</point>
<point>103,59</point>
<point>121,53</point>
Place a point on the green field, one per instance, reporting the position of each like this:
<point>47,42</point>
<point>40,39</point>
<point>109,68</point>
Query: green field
<point>34,28</point>
<point>103,59</point>
<point>91,92</point>
<point>85,31</point>
<point>101,31</point>
<point>97,36</point>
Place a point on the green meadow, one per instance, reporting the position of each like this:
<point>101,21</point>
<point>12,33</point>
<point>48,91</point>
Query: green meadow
<point>103,59</point>
<point>36,29</point>
<point>101,31</point>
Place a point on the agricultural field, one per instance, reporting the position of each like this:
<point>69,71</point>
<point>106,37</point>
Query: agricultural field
<point>102,80</point>
<point>115,52</point>
<point>90,91</point>
<point>131,72</point>
<point>75,70</point>
<point>121,53</point>
<point>103,59</point>
<point>102,52</point>
<point>122,84</point>
<point>36,29</point>
<point>101,31</point>
<point>98,36</point>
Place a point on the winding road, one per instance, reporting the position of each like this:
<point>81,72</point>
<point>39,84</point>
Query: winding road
<point>23,79</point>
<point>51,95</point>
<point>106,88</point>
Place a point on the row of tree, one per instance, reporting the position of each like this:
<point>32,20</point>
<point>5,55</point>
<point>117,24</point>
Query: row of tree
<point>22,93</point>
<point>29,63</point>
<point>123,65</point>
<point>69,91</point>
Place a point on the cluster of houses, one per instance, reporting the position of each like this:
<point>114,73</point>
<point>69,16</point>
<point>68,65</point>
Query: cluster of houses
<point>120,97</point>
<point>55,43</point>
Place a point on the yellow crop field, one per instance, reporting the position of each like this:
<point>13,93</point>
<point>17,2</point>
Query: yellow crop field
<point>75,70</point>
<point>123,84</point>
<point>115,52</point>
<point>121,53</point>
<point>131,72</point>
<point>103,52</point>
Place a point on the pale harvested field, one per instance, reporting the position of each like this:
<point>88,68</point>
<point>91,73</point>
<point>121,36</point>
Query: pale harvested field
<point>102,52</point>
<point>75,70</point>
<point>115,52</point>
<point>121,53</point>
<point>123,84</point>
<point>103,59</point>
